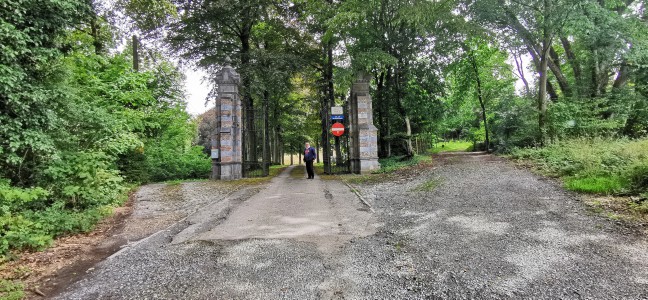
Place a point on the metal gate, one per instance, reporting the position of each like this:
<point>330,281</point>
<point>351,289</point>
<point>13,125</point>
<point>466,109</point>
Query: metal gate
<point>336,158</point>
<point>255,143</point>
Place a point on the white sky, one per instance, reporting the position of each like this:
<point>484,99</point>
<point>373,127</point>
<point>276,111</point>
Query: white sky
<point>197,90</point>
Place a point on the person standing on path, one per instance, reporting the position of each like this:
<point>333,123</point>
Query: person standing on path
<point>309,157</point>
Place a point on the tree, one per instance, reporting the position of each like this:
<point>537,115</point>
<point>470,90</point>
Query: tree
<point>31,34</point>
<point>480,76</point>
<point>388,38</point>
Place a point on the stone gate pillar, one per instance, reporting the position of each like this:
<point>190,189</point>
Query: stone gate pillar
<point>226,142</point>
<point>364,135</point>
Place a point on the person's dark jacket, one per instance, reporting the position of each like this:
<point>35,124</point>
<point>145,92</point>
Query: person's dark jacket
<point>310,154</point>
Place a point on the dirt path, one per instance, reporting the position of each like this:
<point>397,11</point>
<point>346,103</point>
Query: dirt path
<point>470,227</point>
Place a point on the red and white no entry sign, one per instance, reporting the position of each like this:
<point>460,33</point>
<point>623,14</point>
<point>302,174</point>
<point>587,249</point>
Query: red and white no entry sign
<point>337,129</point>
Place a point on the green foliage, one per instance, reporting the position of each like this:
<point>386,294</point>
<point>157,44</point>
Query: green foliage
<point>452,146</point>
<point>19,232</point>
<point>428,186</point>
<point>163,164</point>
<point>13,199</point>
<point>27,221</point>
<point>394,163</point>
<point>11,290</point>
<point>84,180</point>
<point>596,184</point>
<point>608,166</point>
<point>78,126</point>
<point>29,80</point>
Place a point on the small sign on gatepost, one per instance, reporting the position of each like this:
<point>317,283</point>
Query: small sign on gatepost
<point>214,153</point>
<point>337,110</point>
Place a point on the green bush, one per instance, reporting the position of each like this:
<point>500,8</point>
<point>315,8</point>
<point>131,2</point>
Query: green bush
<point>57,220</point>
<point>10,290</point>
<point>18,232</point>
<point>596,165</point>
<point>13,199</point>
<point>391,164</point>
<point>164,164</point>
<point>84,180</point>
<point>638,177</point>
<point>25,224</point>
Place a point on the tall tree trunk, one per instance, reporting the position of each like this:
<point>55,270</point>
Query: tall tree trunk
<point>532,46</point>
<point>622,76</point>
<point>409,150</point>
<point>544,60</point>
<point>135,54</point>
<point>519,64</point>
<point>571,58</point>
<point>266,133</point>
<point>536,61</point>
<point>317,146</point>
<point>554,66</point>
<point>481,99</point>
<point>249,141</point>
<point>94,31</point>
<point>594,84</point>
<point>382,113</point>
<point>408,141</point>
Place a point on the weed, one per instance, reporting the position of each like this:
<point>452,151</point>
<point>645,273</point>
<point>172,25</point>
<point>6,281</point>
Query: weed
<point>364,179</point>
<point>11,290</point>
<point>391,164</point>
<point>594,165</point>
<point>613,216</point>
<point>428,185</point>
<point>596,184</point>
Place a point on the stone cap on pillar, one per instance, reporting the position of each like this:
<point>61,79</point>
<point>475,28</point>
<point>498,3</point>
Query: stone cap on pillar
<point>361,84</point>
<point>228,75</point>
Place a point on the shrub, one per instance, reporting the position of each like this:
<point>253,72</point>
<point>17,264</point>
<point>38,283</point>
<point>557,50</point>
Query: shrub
<point>638,177</point>
<point>10,290</point>
<point>598,165</point>
<point>166,164</point>
<point>25,224</point>
<point>13,199</point>
<point>391,164</point>
<point>84,180</point>
<point>18,232</point>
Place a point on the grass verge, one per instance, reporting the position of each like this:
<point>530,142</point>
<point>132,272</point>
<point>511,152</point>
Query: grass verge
<point>395,163</point>
<point>452,146</point>
<point>605,168</point>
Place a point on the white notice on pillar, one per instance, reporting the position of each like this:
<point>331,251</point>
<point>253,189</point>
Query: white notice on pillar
<point>337,110</point>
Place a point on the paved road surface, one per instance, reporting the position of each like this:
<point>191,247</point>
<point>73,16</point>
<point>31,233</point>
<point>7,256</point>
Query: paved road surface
<point>487,231</point>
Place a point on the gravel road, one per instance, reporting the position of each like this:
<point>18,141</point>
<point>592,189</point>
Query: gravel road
<point>488,230</point>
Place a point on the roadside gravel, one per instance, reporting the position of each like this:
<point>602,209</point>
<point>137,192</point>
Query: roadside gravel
<point>487,231</point>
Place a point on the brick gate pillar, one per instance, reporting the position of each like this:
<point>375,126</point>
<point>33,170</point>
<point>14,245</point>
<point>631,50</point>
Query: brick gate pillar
<point>226,141</point>
<point>364,135</point>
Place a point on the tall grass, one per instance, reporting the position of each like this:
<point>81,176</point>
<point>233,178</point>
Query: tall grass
<point>594,165</point>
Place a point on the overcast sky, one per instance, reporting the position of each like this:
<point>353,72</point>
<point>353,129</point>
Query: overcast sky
<point>197,91</point>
